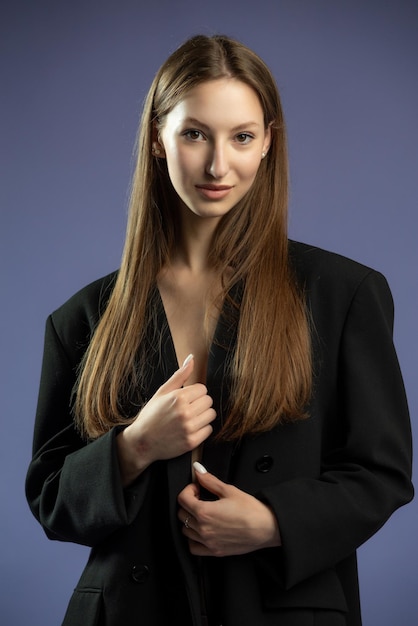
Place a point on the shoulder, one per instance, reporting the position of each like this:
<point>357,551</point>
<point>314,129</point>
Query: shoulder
<point>315,265</point>
<point>79,315</point>
<point>311,262</point>
<point>327,277</point>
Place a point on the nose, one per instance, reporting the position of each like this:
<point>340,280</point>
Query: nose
<point>217,165</point>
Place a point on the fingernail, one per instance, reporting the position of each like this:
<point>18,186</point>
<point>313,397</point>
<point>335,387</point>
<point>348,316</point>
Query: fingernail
<point>187,360</point>
<point>200,468</point>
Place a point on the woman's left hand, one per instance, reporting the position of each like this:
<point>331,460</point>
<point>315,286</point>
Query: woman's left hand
<point>235,523</point>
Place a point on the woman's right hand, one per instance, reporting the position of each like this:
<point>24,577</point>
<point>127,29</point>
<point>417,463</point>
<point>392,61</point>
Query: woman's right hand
<point>174,421</point>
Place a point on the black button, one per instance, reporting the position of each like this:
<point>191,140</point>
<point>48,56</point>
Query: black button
<point>264,463</point>
<point>140,573</point>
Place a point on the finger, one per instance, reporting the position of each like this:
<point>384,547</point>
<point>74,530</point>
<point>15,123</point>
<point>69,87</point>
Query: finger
<point>199,549</point>
<point>209,481</point>
<point>200,413</point>
<point>197,437</point>
<point>187,520</point>
<point>180,376</point>
<point>202,404</point>
<point>194,392</point>
<point>187,499</point>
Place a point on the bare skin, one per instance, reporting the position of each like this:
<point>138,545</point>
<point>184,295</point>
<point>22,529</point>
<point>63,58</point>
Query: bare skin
<point>211,167</point>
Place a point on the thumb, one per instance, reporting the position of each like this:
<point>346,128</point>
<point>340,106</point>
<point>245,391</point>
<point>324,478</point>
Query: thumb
<point>209,481</point>
<point>180,376</point>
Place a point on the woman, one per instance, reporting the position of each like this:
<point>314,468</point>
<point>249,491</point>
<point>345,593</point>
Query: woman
<point>289,401</point>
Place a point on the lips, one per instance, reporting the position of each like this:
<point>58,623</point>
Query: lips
<point>214,192</point>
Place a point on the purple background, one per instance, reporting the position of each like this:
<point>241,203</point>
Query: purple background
<point>73,77</point>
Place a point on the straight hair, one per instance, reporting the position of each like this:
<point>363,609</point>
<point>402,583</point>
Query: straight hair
<point>270,370</point>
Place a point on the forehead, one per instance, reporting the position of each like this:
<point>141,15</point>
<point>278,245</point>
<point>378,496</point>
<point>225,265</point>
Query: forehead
<point>225,101</point>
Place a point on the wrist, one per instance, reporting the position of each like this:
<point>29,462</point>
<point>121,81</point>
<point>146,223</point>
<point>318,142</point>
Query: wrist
<point>274,539</point>
<point>132,456</point>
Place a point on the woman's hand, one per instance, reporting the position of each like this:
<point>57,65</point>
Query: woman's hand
<point>236,523</point>
<point>174,421</point>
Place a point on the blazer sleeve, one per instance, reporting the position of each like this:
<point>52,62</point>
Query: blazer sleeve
<point>366,474</point>
<point>74,487</point>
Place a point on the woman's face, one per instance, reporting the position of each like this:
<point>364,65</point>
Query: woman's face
<point>213,141</point>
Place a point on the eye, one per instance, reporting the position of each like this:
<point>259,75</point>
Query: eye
<point>193,135</point>
<point>244,138</point>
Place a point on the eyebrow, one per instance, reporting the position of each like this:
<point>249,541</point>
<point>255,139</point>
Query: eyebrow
<point>194,121</point>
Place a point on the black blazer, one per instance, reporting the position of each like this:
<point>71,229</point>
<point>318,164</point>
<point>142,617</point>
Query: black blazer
<point>332,480</point>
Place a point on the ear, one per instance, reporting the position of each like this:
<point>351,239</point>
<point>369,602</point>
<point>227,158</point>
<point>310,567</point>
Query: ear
<point>157,147</point>
<point>267,140</point>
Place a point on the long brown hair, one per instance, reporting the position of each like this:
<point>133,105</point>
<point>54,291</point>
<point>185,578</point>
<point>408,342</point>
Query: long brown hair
<point>271,366</point>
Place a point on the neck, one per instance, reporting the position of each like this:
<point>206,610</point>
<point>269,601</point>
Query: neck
<point>193,247</point>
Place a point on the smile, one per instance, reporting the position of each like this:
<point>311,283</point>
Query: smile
<point>214,192</point>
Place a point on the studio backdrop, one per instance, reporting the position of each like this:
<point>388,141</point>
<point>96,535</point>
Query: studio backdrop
<point>73,78</point>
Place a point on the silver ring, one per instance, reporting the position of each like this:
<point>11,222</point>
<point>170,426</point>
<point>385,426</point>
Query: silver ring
<point>186,522</point>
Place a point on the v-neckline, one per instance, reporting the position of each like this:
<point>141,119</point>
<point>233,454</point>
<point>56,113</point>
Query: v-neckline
<point>219,353</point>
<point>165,325</point>
<point>216,456</point>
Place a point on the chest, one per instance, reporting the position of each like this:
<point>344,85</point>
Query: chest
<point>192,318</point>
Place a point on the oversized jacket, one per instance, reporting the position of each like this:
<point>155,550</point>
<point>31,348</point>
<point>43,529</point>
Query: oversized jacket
<point>332,480</point>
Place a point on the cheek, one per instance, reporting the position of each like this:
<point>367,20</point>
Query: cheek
<point>179,172</point>
<point>180,164</point>
<point>249,168</point>
<point>172,159</point>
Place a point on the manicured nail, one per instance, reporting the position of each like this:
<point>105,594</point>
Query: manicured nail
<point>187,360</point>
<point>200,468</point>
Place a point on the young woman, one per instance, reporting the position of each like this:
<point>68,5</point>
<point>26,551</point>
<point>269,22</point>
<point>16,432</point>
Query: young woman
<point>223,420</point>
